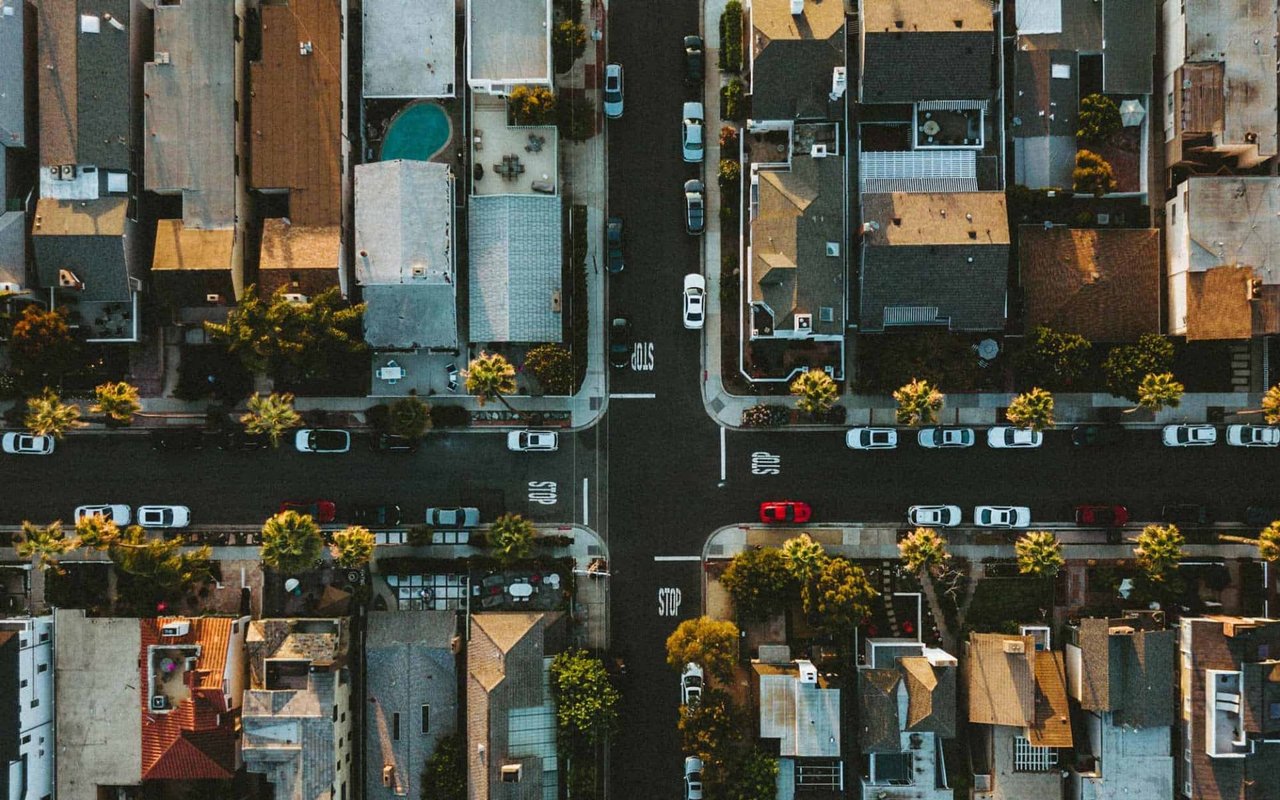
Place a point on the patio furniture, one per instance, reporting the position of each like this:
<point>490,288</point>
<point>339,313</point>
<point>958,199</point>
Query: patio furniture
<point>931,127</point>
<point>391,373</point>
<point>452,369</point>
<point>552,580</point>
<point>520,591</point>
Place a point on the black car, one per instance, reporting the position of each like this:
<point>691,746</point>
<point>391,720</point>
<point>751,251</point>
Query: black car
<point>692,60</point>
<point>694,207</point>
<point>1185,514</point>
<point>177,439</point>
<point>241,440</point>
<point>620,342</point>
<point>1096,435</point>
<point>390,443</point>
<point>614,236</point>
<point>375,515</point>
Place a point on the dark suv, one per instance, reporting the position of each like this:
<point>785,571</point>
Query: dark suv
<point>1186,514</point>
<point>620,342</point>
<point>692,60</point>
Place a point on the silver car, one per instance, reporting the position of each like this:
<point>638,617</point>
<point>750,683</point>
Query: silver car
<point>1189,435</point>
<point>27,444</point>
<point>691,132</point>
<point>1253,436</point>
<point>1002,516</point>
<point>613,91</point>
<point>939,436</point>
<point>112,512</point>
<point>934,516</point>
<point>1004,437</point>
<point>871,438</point>
<point>164,516</point>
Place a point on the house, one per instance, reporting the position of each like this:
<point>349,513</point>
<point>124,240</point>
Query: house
<point>297,716</point>
<point>406,239</point>
<point>14,113</point>
<point>907,707</point>
<point>511,733</point>
<point>515,263</point>
<point>1219,85</point>
<point>26,708</point>
<point>1122,673</point>
<point>797,60</point>
<point>1018,713</point>
<point>508,44</point>
<point>1068,50</point>
<point>408,48</point>
<point>1223,236</point>
<point>934,259</point>
<point>411,680</point>
<point>193,90</point>
<point>800,716</point>
<point>1102,283</point>
<point>1230,714</point>
<point>85,237</point>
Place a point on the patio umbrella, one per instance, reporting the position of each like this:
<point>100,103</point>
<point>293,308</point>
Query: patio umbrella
<point>1131,113</point>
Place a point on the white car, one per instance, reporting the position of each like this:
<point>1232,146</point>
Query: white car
<point>27,444</point>
<point>691,684</point>
<point>119,514</point>
<point>1003,437</point>
<point>871,438</point>
<point>1002,516</point>
<point>322,440</point>
<point>1189,435</point>
<point>1253,436</point>
<point>692,778</point>
<point>533,441</point>
<point>945,437</point>
<point>691,133</point>
<point>613,91</point>
<point>695,301</point>
<point>164,516</point>
<point>459,517</point>
<point>934,516</point>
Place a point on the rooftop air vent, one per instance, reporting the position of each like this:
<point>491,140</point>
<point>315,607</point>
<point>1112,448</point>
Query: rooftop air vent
<point>833,249</point>
<point>1015,647</point>
<point>177,628</point>
<point>804,323</point>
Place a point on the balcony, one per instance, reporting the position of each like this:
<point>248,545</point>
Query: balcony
<point>1224,724</point>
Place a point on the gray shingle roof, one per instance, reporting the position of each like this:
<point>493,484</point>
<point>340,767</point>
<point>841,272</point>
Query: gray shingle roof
<point>514,250</point>
<point>104,90</point>
<point>791,79</point>
<point>411,316</point>
<point>903,67</point>
<point>13,129</point>
<point>89,238</point>
<point>1128,671</point>
<point>1129,46</point>
<point>878,711</point>
<point>967,284</point>
<point>13,248</point>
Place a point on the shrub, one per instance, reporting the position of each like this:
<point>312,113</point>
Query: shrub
<point>1099,119</point>
<point>1126,365</point>
<point>730,174</point>
<point>728,138</point>
<point>532,105</point>
<point>1092,174</point>
<point>733,100</point>
<point>443,416</point>
<point>731,37</point>
<point>568,41</point>
<point>765,416</point>
<point>576,119</point>
<point>552,365</point>
<point>1053,359</point>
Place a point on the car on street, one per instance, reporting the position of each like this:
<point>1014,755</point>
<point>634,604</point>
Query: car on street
<point>1001,516</point>
<point>934,516</point>
<point>1185,514</point>
<point>1003,437</point>
<point>322,440</point>
<point>793,511</point>
<point>1096,435</point>
<point>240,439</point>
<point>871,438</point>
<point>692,778</point>
<point>1189,435</point>
<point>940,436</point>
<point>694,207</point>
<point>693,60</point>
<point>375,515</point>
<point>613,91</point>
<point>26,444</point>
<point>457,517</point>
<point>1253,436</point>
<point>613,237</point>
<point>113,512</point>
<point>164,516</point>
<point>391,443</point>
<point>620,342</point>
<point>691,684</point>
<point>1102,515</point>
<point>533,441</point>
<point>695,301</point>
<point>177,439</point>
<point>319,510</point>
<point>691,131</point>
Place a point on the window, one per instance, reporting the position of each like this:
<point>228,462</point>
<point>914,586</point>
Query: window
<point>395,727</point>
<point>510,773</point>
<point>1168,102</point>
<point>1274,711</point>
<point>35,703</point>
<point>42,668</point>
<point>23,685</point>
<point>1029,758</point>
<point>335,713</point>
<point>44,637</point>
<point>26,739</point>
<point>426,719</point>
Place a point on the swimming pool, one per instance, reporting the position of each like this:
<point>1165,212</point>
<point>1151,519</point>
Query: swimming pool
<point>418,132</point>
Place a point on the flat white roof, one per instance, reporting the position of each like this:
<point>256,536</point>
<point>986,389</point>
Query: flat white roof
<point>409,48</point>
<point>508,42</point>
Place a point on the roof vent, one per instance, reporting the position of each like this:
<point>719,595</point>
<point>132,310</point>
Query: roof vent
<point>162,57</point>
<point>213,299</point>
<point>1015,647</point>
<point>818,151</point>
<point>177,628</point>
<point>797,7</point>
<point>808,672</point>
<point>68,280</point>
<point>90,23</point>
<point>305,48</point>
<point>833,249</point>
<point>804,323</point>
<point>296,299</point>
<point>419,270</point>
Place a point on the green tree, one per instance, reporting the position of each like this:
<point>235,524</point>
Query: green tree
<point>552,365</point>
<point>1033,410</point>
<point>159,565</point>
<point>1159,391</point>
<point>532,105</point>
<point>410,417</point>
<point>47,415</point>
<point>490,376</point>
<point>918,403</point>
<point>804,558</point>
<point>730,175</point>
<point>1092,175</point>
<point>1099,119</point>
<point>43,544</point>
<point>291,542</point>
<point>576,121</point>
<point>568,42</point>
<point>710,643</point>
<point>444,776</point>
<point>733,99</point>
<point>511,538</point>
<point>1126,364</point>
<point>1039,554</point>
<point>759,582</point>
<point>1158,550</point>
<point>40,343</point>
<point>1054,359</point>
<point>1268,541</point>
<point>118,400</point>
<point>709,731</point>
<point>96,532</point>
<point>754,778</point>
<point>352,547</point>
<point>586,702</point>
<point>840,598</point>
<point>923,549</point>
<point>271,415</point>
<point>1271,405</point>
<point>815,392</point>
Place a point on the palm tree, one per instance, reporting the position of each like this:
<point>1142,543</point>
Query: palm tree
<point>923,549</point>
<point>918,403</point>
<point>1159,549</point>
<point>96,532</point>
<point>1157,391</point>
<point>1039,554</point>
<point>511,537</point>
<point>410,417</point>
<point>1033,409</point>
<point>47,415</point>
<point>291,542</point>
<point>1268,541</point>
<point>1271,405</point>
<point>804,558</point>
<point>352,547</point>
<point>118,400</point>
<point>490,376</point>
<point>43,545</point>
<point>161,564</point>
<point>272,415</point>
<point>815,392</point>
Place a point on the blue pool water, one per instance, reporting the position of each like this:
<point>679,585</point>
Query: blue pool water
<point>418,132</point>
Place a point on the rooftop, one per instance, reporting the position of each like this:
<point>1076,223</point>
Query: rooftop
<point>508,42</point>
<point>409,48</point>
<point>293,246</point>
<point>794,57</point>
<point>13,109</point>
<point>494,144</point>
<point>926,51</point>
<point>804,716</point>
<point>515,259</point>
<point>87,238</point>
<point>957,218</point>
<point>1002,679</point>
<point>914,16</point>
<point>1233,221</point>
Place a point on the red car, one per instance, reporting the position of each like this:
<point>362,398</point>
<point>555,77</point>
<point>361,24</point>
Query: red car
<point>320,510</point>
<point>792,511</point>
<point>1102,516</point>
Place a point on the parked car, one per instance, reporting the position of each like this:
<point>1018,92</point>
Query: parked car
<point>1003,437</point>
<point>26,444</point>
<point>694,207</point>
<point>164,516</point>
<point>940,436</point>
<point>691,130</point>
<point>533,441</point>
<point>691,684</point>
<point>458,517</point>
<point>792,511</point>
<point>1096,435</point>
<point>620,342</point>
<point>113,512</point>
<point>692,778</point>
<point>1002,516</point>
<point>322,440</point>
<point>613,236</point>
<point>319,510</point>
<point>934,516</point>
<point>239,439</point>
<point>1261,516</point>
<point>1253,436</point>
<point>1185,514</point>
<point>693,60</point>
<point>871,438</point>
<point>390,443</point>
<point>177,439</point>
<point>613,91</point>
<point>1102,515</point>
<point>375,515</point>
<point>695,301</point>
<point>1189,435</point>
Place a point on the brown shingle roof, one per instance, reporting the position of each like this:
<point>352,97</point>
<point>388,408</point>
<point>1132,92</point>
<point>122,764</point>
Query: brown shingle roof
<point>1002,687</point>
<point>1218,304</point>
<point>181,248</point>
<point>1052,724</point>
<point>58,81</point>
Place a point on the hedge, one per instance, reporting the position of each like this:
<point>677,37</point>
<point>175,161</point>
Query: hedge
<point>731,37</point>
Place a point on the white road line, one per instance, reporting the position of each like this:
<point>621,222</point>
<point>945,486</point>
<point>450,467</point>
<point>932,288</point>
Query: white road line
<point>722,474</point>
<point>677,558</point>
<point>632,396</point>
<point>586,520</point>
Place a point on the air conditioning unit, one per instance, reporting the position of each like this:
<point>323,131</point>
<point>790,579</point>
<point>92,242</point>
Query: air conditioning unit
<point>818,151</point>
<point>159,703</point>
<point>1015,647</point>
<point>833,249</point>
<point>179,628</point>
<point>419,270</point>
<point>162,57</point>
<point>213,299</point>
<point>305,48</point>
<point>804,323</point>
<point>68,172</point>
<point>808,672</point>
<point>68,280</point>
<point>389,775</point>
<point>55,172</point>
<point>296,299</point>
